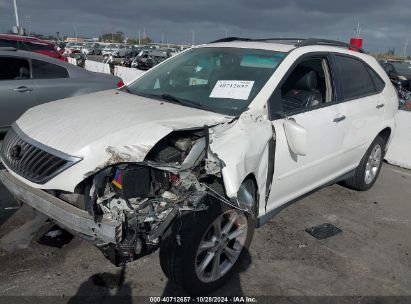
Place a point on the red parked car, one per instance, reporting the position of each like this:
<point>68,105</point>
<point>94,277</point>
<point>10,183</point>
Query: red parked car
<point>31,44</point>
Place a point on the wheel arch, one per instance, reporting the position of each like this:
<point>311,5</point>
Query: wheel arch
<point>251,177</point>
<point>386,135</point>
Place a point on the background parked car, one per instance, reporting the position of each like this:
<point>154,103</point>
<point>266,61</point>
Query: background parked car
<point>149,58</point>
<point>92,49</point>
<point>399,70</point>
<point>28,79</point>
<point>117,50</point>
<point>31,44</point>
<point>71,47</point>
<point>80,58</point>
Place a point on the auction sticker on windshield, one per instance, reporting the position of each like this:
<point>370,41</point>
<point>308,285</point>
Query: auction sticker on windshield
<point>233,89</point>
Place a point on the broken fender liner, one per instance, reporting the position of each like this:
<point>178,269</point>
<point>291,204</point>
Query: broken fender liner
<point>270,171</point>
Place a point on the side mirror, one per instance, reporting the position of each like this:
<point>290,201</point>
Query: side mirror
<point>296,137</point>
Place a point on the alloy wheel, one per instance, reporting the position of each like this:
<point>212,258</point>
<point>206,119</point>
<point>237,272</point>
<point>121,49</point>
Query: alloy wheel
<point>221,246</point>
<point>373,164</point>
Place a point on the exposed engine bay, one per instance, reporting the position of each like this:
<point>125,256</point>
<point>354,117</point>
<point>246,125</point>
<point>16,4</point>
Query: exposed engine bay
<point>145,197</point>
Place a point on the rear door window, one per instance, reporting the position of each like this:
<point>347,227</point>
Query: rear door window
<point>46,70</point>
<point>14,68</point>
<point>32,46</point>
<point>8,43</point>
<point>355,80</point>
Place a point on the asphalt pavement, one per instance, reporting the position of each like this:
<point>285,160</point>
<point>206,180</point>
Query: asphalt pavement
<point>371,257</point>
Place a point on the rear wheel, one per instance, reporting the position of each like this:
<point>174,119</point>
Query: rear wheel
<point>205,248</point>
<point>369,168</point>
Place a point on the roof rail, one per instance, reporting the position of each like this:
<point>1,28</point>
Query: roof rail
<point>7,48</point>
<point>297,42</point>
<point>315,41</point>
<point>230,39</point>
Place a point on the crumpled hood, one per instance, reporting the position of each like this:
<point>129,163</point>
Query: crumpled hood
<point>104,127</point>
<point>114,117</point>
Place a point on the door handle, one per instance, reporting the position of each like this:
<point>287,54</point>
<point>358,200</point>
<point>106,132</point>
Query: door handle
<point>339,118</point>
<point>381,105</point>
<point>23,89</point>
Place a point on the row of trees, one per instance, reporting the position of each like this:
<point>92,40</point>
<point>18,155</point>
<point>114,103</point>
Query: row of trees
<point>119,37</point>
<point>390,55</point>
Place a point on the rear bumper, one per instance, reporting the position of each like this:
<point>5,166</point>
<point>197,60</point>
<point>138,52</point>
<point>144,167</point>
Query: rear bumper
<point>63,213</point>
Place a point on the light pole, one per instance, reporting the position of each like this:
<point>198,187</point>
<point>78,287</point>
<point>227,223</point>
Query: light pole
<point>193,41</point>
<point>139,37</point>
<point>28,19</point>
<point>404,50</point>
<point>17,16</point>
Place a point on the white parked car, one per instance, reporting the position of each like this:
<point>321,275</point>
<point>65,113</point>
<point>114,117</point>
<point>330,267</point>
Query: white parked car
<point>203,148</point>
<point>91,49</point>
<point>72,47</point>
<point>117,50</point>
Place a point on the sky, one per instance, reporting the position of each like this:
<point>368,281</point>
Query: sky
<point>384,23</point>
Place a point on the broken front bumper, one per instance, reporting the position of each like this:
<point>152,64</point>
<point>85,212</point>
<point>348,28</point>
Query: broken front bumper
<point>63,213</point>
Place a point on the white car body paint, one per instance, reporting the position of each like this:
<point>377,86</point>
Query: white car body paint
<point>132,125</point>
<point>243,148</point>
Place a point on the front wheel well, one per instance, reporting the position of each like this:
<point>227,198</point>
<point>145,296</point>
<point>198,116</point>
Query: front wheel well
<point>251,178</point>
<point>385,134</point>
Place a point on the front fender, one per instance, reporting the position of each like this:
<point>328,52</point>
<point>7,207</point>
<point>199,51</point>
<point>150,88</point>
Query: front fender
<point>243,149</point>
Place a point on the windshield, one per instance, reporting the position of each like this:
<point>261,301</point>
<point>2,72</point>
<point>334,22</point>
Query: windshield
<point>222,80</point>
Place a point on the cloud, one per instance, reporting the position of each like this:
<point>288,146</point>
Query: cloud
<point>385,24</point>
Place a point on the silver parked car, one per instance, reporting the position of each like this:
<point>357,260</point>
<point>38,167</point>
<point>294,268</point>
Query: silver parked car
<point>28,79</point>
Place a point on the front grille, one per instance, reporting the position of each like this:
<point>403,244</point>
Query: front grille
<point>32,160</point>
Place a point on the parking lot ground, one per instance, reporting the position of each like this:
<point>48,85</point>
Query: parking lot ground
<point>371,257</point>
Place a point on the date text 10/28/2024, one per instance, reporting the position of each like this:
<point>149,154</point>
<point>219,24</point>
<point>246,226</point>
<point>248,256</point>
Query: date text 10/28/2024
<point>239,299</point>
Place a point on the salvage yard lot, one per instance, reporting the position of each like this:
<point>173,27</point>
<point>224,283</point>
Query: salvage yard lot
<point>371,257</point>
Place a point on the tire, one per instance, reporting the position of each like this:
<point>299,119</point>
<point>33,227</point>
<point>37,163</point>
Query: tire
<point>181,257</point>
<point>369,168</point>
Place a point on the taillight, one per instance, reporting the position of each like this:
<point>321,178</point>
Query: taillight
<point>120,84</point>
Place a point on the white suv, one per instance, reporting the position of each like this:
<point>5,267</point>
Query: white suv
<point>203,148</point>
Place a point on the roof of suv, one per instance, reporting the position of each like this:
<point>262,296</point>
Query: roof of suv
<point>281,44</point>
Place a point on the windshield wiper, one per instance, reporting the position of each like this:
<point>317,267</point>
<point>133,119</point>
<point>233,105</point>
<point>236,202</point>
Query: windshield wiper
<point>170,98</point>
<point>183,102</point>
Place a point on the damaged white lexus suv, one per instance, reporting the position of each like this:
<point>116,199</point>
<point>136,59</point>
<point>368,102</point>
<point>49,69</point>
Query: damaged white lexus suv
<point>203,148</point>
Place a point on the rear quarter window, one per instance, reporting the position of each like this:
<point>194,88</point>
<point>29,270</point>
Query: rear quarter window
<point>45,70</point>
<point>378,82</point>
<point>355,80</point>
